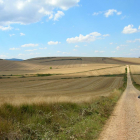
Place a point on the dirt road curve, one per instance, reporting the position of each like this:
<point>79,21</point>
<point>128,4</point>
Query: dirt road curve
<point>124,124</point>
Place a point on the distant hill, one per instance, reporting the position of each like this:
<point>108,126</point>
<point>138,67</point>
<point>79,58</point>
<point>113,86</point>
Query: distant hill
<point>14,59</point>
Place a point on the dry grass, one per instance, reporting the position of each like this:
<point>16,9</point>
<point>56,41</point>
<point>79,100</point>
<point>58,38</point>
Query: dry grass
<point>58,120</point>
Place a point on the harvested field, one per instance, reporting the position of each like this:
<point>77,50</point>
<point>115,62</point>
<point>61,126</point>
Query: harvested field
<point>71,79</point>
<point>136,78</point>
<point>61,65</point>
<point>135,69</point>
<point>102,71</point>
<point>22,90</point>
<point>127,61</point>
<point>62,70</point>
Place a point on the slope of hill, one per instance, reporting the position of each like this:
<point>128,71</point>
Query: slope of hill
<point>61,65</point>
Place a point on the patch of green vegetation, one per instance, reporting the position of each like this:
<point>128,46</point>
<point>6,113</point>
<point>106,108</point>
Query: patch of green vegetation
<point>110,75</point>
<point>125,79</point>
<point>72,77</point>
<point>137,86</point>
<point>44,75</point>
<point>57,121</point>
<point>22,76</point>
<point>113,75</point>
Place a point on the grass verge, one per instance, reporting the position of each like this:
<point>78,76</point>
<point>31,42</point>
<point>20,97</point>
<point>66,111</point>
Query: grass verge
<point>60,121</point>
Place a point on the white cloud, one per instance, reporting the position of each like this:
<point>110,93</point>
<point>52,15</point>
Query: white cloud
<point>53,43</point>
<point>102,51</point>
<point>34,53</point>
<point>76,46</point>
<point>1,1</point>
<point>58,15</point>
<point>74,50</point>
<point>3,56</point>
<point>13,49</point>
<point>21,54</point>
<point>31,11</point>
<point>11,34</point>
<point>58,51</point>
<point>133,50</point>
<point>5,28</point>
<point>97,13</point>
<point>22,34</point>
<point>123,17</point>
<point>29,45</point>
<point>118,47</point>
<point>43,48</point>
<point>132,41</point>
<point>88,38</point>
<point>139,28</point>
<point>119,13</point>
<point>111,43</point>
<point>111,12</point>
<point>106,35</point>
<point>129,29</point>
<point>31,50</point>
<point>66,53</point>
<point>108,12</point>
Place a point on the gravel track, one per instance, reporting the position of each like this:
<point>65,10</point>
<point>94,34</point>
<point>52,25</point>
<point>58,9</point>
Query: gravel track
<point>124,124</point>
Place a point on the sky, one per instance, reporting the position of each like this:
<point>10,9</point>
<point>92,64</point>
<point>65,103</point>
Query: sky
<point>84,28</point>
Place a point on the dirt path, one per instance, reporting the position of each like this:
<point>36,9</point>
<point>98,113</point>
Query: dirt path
<point>124,124</point>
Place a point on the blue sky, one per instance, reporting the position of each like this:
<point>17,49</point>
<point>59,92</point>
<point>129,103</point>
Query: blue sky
<point>91,28</point>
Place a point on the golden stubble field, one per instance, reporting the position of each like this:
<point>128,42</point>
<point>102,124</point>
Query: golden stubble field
<point>74,79</point>
<point>135,73</point>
